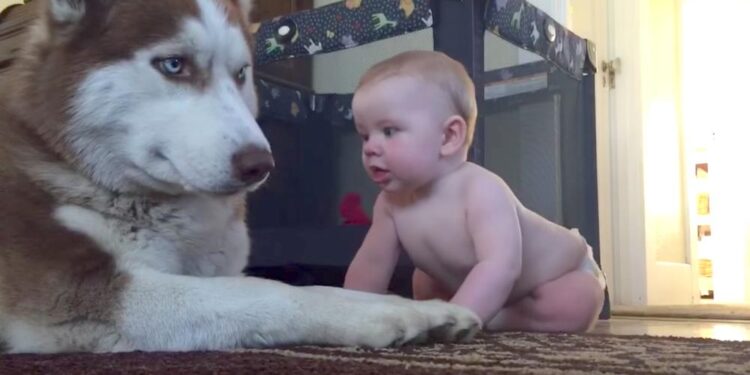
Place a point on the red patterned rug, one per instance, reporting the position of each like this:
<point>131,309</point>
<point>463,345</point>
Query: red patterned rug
<point>488,354</point>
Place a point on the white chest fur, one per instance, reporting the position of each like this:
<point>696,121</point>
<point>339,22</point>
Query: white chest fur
<point>194,235</point>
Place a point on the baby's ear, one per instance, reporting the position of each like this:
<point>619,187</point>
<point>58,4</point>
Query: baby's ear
<point>454,135</point>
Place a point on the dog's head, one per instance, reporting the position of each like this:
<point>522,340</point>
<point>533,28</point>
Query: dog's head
<point>150,95</point>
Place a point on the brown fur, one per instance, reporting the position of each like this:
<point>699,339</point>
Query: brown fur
<point>234,13</point>
<point>48,274</point>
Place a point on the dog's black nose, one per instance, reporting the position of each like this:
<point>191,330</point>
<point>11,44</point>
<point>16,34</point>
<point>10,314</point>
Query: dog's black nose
<point>252,164</point>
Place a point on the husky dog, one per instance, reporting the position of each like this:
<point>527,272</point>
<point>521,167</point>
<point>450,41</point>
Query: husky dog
<point>128,141</point>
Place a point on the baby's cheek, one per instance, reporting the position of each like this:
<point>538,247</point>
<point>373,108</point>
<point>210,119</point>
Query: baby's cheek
<point>403,156</point>
<point>416,163</point>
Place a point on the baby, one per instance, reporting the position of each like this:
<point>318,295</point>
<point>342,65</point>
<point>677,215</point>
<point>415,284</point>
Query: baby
<point>472,242</point>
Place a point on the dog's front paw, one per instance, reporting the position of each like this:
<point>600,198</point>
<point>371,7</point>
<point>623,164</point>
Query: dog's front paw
<point>417,322</point>
<point>452,323</point>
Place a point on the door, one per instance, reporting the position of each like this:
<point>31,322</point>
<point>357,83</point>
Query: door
<point>652,254</point>
<point>645,248</point>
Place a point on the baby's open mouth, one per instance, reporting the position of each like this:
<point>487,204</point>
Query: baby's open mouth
<point>379,174</point>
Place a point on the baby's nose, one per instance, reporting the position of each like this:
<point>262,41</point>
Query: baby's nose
<point>369,148</point>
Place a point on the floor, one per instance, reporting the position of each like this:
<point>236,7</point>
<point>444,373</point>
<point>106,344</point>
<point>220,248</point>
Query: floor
<point>711,311</point>
<point>737,330</point>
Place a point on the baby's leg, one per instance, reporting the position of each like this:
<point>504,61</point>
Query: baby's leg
<point>570,303</point>
<point>425,287</point>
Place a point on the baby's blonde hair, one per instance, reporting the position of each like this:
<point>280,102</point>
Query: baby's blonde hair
<point>436,68</point>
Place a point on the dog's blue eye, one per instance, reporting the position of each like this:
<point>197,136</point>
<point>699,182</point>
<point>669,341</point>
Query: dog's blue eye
<point>242,74</point>
<point>172,65</point>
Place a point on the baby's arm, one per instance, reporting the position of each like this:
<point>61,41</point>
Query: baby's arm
<point>495,230</point>
<point>373,265</point>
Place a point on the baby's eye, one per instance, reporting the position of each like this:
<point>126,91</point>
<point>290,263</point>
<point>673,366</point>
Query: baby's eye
<point>389,131</point>
<point>364,137</point>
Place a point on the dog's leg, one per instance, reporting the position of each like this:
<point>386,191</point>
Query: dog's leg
<point>170,312</point>
<point>162,311</point>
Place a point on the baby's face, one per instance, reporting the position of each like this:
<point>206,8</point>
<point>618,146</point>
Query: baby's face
<point>400,122</point>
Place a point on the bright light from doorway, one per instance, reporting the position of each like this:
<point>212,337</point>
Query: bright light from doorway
<point>716,110</point>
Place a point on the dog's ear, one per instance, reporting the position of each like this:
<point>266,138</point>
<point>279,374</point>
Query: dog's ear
<point>69,13</point>
<point>65,17</point>
<point>66,12</point>
<point>246,7</point>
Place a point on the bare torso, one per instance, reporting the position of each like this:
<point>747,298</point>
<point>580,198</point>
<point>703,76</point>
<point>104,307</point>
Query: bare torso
<point>433,231</point>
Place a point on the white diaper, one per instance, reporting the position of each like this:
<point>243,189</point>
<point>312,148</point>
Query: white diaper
<point>588,264</point>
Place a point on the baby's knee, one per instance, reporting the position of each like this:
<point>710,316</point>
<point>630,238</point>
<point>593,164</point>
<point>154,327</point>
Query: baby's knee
<point>587,306</point>
<point>576,305</point>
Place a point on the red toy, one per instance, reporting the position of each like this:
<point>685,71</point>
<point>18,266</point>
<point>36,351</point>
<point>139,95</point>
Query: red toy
<point>351,210</point>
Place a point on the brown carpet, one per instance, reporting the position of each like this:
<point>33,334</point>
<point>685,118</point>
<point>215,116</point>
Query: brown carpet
<point>488,354</point>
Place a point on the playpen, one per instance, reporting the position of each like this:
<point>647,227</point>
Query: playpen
<point>536,126</point>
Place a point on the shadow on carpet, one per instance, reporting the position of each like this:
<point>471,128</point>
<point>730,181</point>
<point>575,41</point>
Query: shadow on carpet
<point>488,354</point>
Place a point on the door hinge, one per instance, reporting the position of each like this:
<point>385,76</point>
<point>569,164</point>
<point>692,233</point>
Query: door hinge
<point>609,68</point>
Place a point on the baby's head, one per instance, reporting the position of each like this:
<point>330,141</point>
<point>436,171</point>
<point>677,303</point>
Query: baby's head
<point>434,72</point>
<point>415,113</point>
